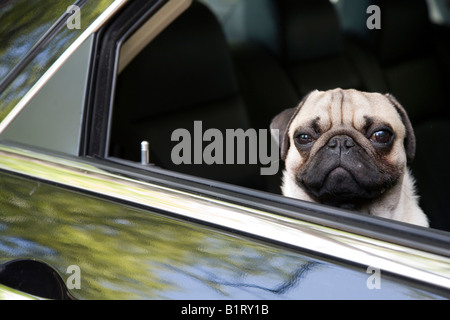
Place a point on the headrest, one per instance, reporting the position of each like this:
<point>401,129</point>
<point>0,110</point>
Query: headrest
<point>404,28</point>
<point>295,29</point>
<point>187,65</point>
<point>353,18</point>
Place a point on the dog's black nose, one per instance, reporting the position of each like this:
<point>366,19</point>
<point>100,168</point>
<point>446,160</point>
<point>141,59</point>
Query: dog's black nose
<point>342,142</point>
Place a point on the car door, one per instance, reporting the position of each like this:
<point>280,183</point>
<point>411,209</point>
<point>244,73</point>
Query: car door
<point>112,228</point>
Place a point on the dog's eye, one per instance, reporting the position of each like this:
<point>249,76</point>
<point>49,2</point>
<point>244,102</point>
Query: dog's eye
<point>381,136</point>
<point>303,138</point>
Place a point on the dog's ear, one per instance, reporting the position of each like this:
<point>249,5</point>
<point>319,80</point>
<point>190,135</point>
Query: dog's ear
<point>279,127</point>
<point>410,138</point>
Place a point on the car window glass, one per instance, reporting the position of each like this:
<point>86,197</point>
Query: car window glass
<point>23,23</point>
<point>44,59</point>
<point>57,107</point>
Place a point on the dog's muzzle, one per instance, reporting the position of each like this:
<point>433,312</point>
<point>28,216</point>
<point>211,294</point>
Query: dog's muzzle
<point>341,173</point>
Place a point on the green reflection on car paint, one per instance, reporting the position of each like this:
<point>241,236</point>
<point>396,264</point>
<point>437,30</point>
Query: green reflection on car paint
<point>41,15</point>
<point>22,24</point>
<point>128,253</point>
<point>121,251</point>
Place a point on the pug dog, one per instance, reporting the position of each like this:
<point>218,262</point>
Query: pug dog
<point>350,149</point>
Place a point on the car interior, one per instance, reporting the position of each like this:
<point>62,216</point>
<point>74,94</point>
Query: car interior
<point>239,67</point>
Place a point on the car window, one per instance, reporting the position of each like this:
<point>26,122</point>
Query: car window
<point>192,59</point>
<point>202,94</point>
<point>22,67</point>
<point>23,24</point>
<point>55,108</point>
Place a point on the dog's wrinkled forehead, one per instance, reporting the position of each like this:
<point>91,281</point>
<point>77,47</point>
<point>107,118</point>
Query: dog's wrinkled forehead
<point>344,109</point>
<point>339,107</point>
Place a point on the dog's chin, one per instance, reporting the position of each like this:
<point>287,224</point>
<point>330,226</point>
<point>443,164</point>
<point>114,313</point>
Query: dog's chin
<point>341,189</point>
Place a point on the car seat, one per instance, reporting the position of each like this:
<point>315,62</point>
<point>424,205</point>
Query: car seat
<point>413,55</point>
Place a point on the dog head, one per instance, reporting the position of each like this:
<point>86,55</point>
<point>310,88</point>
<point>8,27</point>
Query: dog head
<point>345,147</point>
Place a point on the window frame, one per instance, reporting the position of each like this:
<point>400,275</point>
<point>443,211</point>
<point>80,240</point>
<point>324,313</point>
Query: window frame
<point>100,92</point>
<point>99,106</point>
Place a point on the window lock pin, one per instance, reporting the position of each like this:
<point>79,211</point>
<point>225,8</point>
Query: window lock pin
<point>145,151</point>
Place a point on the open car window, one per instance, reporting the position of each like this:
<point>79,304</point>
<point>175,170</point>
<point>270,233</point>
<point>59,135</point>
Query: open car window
<point>199,94</point>
<point>181,94</point>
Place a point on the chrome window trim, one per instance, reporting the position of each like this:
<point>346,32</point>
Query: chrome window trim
<point>352,248</point>
<point>96,24</point>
